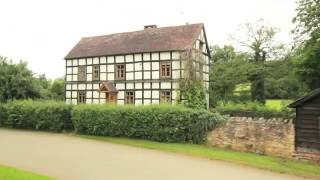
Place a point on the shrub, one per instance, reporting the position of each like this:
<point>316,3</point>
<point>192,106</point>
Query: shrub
<point>163,123</point>
<point>36,115</point>
<point>253,109</point>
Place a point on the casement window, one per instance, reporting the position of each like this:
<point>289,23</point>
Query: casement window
<point>120,72</point>
<point>129,97</point>
<point>96,73</point>
<point>82,76</point>
<point>165,69</point>
<point>165,96</point>
<point>81,97</point>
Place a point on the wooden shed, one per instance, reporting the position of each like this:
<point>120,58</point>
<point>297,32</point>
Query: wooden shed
<point>307,123</point>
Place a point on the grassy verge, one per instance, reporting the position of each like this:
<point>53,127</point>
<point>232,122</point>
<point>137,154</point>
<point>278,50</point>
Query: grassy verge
<point>9,173</point>
<point>277,104</point>
<point>250,159</point>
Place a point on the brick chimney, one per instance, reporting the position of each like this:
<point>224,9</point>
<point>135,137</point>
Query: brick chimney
<point>150,26</point>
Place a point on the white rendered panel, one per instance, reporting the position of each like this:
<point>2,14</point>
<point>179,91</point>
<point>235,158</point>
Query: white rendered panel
<point>95,86</point>
<point>120,86</point>
<point>103,68</point>
<point>74,101</point>
<point>89,69</point>
<point>146,85</point>
<point>155,74</point>
<point>74,87</point>
<point>147,75</point>
<point>110,68</point>
<point>155,66</point>
<point>137,66</point>
<point>89,77</point>
<point>129,58</point>
<point>174,94</point>
<point>82,62</point>
<point>119,59</point>
<point>129,67</point>
<point>120,102</point>
<point>102,95</point>
<point>129,76</point>
<point>147,94</point>
<point>138,94</point>
<point>75,70</point>
<point>74,78</point>
<point>89,60</point>
<point>176,74</point>
<point>68,94</point>
<point>110,59</point>
<point>110,76</point>
<point>68,101</point>
<point>138,85</point>
<point>121,95</point>
<point>138,102</point>
<point>89,86</point>
<point>89,94</point>
<point>74,94</point>
<point>95,101</point>
<point>69,70</point>
<point>155,85</point>
<point>146,101</point>
<point>175,64</point>
<point>165,85</point>
<point>137,57</point>
<point>69,62</point>
<point>68,87</point>
<point>75,62</point>
<point>89,101</point>
<point>146,56</point>
<point>155,94</point>
<point>130,86</point>
<point>146,66</point>
<point>82,87</point>
<point>155,101</point>
<point>138,75</point>
<point>175,85</point>
<point>95,94</point>
<point>175,55</point>
<point>69,77</point>
<point>103,60</point>
<point>165,56</point>
<point>155,56</point>
<point>103,76</point>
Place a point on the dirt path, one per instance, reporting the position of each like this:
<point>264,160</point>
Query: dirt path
<point>71,158</point>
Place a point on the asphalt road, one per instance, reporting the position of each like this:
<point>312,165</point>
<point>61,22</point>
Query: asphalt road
<point>71,158</point>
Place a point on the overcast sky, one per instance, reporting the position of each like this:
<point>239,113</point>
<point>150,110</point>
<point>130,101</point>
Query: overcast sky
<point>42,32</point>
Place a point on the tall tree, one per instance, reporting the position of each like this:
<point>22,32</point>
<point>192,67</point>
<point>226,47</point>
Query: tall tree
<point>260,43</point>
<point>307,55</point>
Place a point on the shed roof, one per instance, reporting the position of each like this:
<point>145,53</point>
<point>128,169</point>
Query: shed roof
<point>148,40</point>
<point>107,86</point>
<point>315,93</point>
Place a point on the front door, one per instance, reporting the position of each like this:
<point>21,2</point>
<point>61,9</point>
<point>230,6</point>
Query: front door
<point>111,98</point>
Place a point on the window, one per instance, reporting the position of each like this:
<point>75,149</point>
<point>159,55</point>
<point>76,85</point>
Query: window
<point>165,96</point>
<point>120,71</point>
<point>165,69</point>
<point>96,73</point>
<point>82,73</point>
<point>81,97</point>
<point>129,97</point>
<point>201,44</point>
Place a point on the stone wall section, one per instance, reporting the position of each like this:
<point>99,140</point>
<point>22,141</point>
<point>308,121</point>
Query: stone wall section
<point>259,135</point>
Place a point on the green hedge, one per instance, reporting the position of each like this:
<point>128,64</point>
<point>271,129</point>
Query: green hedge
<point>36,115</point>
<point>163,123</point>
<point>253,109</point>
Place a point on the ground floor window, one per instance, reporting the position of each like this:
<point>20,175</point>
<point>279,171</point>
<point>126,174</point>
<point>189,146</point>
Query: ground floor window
<point>165,96</point>
<point>129,97</point>
<point>81,97</point>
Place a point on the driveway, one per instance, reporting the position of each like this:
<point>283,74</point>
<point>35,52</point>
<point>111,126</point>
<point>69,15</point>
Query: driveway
<point>72,158</point>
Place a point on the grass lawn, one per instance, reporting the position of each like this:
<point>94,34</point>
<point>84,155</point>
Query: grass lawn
<point>277,103</point>
<point>9,173</point>
<point>249,159</point>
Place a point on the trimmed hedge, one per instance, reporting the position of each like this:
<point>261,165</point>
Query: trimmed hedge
<point>162,123</point>
<point>36,115</point>
<point>252,109</point>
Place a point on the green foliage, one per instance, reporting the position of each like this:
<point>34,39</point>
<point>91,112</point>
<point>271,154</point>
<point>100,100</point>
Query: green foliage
<point>36,115</point>
<point>253,109</point>
<point>163,123</point>
<point>9,173</point>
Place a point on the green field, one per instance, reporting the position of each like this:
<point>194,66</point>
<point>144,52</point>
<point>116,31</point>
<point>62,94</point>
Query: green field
<point>277,103</point>
<point>9,173</point>
<point>250,159</point>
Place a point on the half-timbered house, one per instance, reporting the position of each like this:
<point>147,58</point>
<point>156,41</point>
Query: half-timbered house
<point>140,67</point>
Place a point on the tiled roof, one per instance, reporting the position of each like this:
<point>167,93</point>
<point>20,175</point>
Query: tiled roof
<point>148,40</point>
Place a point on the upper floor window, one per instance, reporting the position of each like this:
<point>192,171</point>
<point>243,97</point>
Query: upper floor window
<point>165,69</point>
<point>81,97</point>
<point>165,96</point>
<point>120,71</point>
<point>96,72</point>
<point>201,44</point>
<point>82,73</point>
<point>129,97</point>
